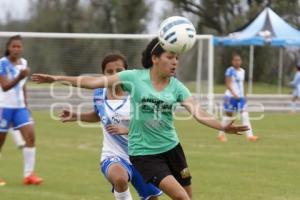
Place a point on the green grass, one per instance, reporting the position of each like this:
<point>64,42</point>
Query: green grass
<point>68,158</point>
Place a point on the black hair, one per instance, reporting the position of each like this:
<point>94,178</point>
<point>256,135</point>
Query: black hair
<point>153,48</point>
<point>113,57</point>
<point>298,66</point>
<point>9,41</point>
<point>235,54</point>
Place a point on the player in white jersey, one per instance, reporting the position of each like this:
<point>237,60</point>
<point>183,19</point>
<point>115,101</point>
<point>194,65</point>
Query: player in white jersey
<point>112,108</point>
<point>296,88</point>
<point>13,104</point>
<point>234,99</point>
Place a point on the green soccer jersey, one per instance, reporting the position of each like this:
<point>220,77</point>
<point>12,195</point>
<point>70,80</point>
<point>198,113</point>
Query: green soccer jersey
<point>151,129</point>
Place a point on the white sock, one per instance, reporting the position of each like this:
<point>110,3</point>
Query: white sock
<point>29,160</point>
<point>123,195</point>
<point>17,137</point>
<point>225,120</point>
<point>293,106</point>
<point>246,122</point>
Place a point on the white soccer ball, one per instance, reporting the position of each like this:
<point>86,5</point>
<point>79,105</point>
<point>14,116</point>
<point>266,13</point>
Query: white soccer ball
<point>177,34</point>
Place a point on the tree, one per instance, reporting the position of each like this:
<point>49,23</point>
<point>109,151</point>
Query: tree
<point>89,16</point>
<point>221,17</point>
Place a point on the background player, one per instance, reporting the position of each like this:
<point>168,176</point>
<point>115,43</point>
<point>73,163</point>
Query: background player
<point>13,104</point>
<point>234,99</point>
<point>296,88</point>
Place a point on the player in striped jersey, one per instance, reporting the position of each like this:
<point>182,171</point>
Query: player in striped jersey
<point>13,104</point>
<point>296,88</point>
<point>112,108</point>
<point>235,100</point>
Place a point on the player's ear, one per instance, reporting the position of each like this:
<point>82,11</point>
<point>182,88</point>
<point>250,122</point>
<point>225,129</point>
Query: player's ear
<point>154,59</point>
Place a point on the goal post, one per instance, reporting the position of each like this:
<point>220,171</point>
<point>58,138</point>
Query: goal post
<point>79,53</point>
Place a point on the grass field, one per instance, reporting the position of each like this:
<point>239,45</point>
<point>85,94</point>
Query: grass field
<point>68,158</point>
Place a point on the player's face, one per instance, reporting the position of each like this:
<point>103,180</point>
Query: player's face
<point>114,67</point>
<point>236,61</point>
<point>167,63</point>
<point>15,48</point>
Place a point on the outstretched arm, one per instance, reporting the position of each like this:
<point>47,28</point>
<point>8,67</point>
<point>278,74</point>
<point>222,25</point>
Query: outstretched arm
<point>69,116</point>
<point>204,118</point>
<point>88,82</point>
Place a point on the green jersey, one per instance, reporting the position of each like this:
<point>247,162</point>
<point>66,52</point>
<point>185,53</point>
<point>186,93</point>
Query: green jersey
<point>151,129</point>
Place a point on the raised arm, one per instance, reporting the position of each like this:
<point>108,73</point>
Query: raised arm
<point>7,84</point>
<point>204,118</point>
<point>88,82</point>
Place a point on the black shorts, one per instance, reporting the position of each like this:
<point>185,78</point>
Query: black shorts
<point>154,168</point>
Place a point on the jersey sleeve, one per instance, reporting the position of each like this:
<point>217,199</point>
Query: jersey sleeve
<point>182,92</point>
<point>127,78</point>
<point>25,63</point>
<point>98,96</point>
<point>229,72</point>
<point>3,71</point>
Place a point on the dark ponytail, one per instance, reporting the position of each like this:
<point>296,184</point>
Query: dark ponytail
<point>153,48</point>
<point>12,38</point>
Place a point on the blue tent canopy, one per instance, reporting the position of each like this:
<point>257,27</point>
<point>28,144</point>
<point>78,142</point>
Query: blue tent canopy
<point>266,29</point>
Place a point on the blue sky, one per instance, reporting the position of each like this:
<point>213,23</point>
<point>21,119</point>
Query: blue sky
<point>14,8</point>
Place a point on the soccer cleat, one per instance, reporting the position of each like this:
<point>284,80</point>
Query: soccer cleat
<point>2,182</point>
<point>252,138</point>
<point>32,180</point>
<point>222,138</point>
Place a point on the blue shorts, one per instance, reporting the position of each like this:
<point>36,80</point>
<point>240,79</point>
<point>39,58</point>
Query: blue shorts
<point>14,117</point>
<point>234,105</point>
<point>145,190</point>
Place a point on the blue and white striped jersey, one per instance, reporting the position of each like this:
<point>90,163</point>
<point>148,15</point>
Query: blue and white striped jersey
<point>112,112</point>
<point>13,98</point>
<point>237,77</point>
<point>296,84</point>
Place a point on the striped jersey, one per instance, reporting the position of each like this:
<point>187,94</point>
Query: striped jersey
<point>13,98</point>
<point>296,82</point>
<point>237,78</point>
<point>112,112</point>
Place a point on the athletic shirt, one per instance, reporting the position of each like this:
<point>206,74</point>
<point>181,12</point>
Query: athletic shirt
<point>151,129</point>
<point>13,98</point>
<point>237,81</point>
<point>296,81</point>
<point>112,112</point>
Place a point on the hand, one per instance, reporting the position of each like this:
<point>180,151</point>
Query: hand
<point>23,73</point>
<point>116,129</point>
<point>233,129</point>
<point>236,97</point>
<point>67,116</point>
<point>43,78</point>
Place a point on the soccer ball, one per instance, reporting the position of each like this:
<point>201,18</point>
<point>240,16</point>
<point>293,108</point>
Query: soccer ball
<point>177,34</point>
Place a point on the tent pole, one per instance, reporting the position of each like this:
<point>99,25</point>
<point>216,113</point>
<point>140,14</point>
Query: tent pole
<point>199,67</point>
<point>250,81</point>
<point>280,73</point>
